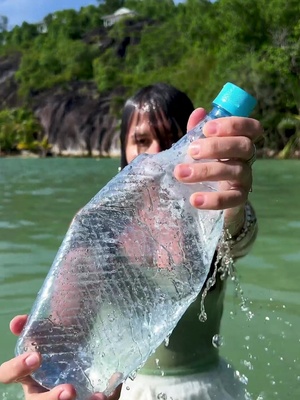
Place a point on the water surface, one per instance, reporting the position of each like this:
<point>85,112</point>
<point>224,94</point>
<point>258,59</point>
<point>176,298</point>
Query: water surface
<point>38,199</point>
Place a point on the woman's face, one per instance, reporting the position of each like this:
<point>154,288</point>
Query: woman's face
<point>141,138</point>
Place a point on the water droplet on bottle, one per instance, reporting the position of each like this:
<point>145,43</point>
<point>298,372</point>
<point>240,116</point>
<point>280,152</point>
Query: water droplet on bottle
<point>162,396</point>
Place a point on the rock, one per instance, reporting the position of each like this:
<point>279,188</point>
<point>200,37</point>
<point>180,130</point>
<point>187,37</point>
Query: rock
<point>76,118</point>
<point>8,85</point>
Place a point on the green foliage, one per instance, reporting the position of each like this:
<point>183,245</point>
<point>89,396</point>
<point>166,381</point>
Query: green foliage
<point>54,63</point>
<point>147,56</point>
<point>110,6</point>
<point>19,130</point>
<point>106,75</point>
<point>160,10</point>
<point>290,125</point>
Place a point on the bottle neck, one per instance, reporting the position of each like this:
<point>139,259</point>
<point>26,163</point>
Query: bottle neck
<point>218,112</point>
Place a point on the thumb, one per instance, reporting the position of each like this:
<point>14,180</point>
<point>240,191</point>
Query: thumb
<point>116,393</point>
<point>196,116</point>
<point>33,391</point>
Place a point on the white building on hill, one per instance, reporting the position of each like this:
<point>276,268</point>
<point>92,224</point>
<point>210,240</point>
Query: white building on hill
<point>109,20</point>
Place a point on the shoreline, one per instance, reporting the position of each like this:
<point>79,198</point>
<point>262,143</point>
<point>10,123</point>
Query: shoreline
<point>261,154</point>
<point>75,154</point>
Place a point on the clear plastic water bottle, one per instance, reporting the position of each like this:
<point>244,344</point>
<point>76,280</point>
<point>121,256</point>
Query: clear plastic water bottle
<point>132,261</point>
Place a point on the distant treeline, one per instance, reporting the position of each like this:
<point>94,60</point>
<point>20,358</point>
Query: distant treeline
<point>196,45</point>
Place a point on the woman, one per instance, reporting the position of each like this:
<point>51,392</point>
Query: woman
<point>189,367</point>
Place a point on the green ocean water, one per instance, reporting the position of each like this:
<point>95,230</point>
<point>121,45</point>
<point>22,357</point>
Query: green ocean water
<point>39,197</point>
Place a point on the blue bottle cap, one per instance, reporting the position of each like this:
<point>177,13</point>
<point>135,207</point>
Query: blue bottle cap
<point>235,100</point>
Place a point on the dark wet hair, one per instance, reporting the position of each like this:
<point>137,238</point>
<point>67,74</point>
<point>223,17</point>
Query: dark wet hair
<point>166,105</point>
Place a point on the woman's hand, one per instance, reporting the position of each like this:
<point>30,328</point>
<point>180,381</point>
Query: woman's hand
<point>19,369</point>
<point>230,142</point>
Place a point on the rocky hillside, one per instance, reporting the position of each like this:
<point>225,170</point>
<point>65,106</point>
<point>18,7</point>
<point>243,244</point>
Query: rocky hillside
<point>75,117</point>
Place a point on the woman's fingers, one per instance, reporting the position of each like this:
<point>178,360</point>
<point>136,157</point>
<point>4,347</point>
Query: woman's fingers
<point>237,173</point>
<point>229,146</point>
<point>116,393</point>
<point>240,148</point>
<point>219,200</point>
<point>234,177</point>
<point>17,324</point>
<point>196,116</point>
<point>227,126</point>
<point>33,391</point>
<point>19,367</point>
<point>233,126</point>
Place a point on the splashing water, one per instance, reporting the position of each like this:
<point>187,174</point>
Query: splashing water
<point>217,341</point>
<point>224,265</point>
<point>159,367</point>
<point>162,396</point>
<point>167,341</point>
<point>241,377</point>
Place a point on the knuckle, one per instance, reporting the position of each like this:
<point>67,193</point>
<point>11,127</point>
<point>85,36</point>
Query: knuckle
<point>258,128</point>
<point>205,171</point>
<point>219,203</point>
<point>246,145</point>
<point>235,125</point>
<point>239,171</point>
<point>211,146</point>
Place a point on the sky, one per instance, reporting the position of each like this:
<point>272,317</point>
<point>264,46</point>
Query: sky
<point>33,11</point>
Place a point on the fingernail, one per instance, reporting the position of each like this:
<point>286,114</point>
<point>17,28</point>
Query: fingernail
<point>194,150</point>
<point>32,360</point>
<point>185,171</point>
<point>211,128</point>
<point>65,395</point>
<point>199,200</point>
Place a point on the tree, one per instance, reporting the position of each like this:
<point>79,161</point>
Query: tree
<point>110,6</point>
<point>3,23</point>
<point>19,130</point>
